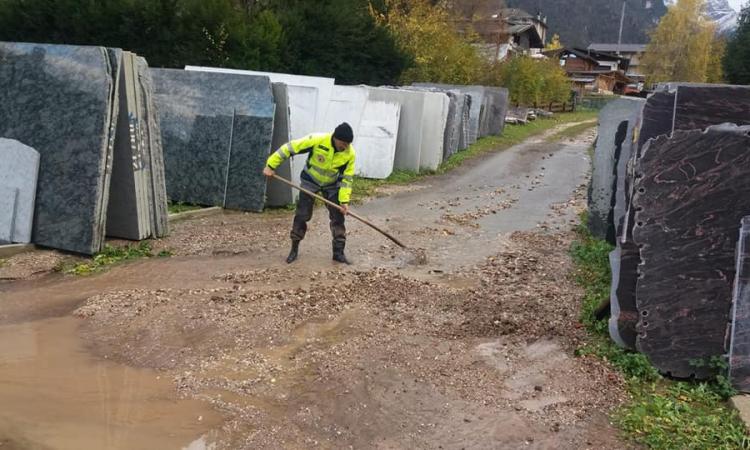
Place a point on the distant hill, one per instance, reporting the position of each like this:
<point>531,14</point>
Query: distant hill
<point>581,22</point>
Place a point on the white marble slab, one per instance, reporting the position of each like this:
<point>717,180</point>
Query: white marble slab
<point>376,139</point>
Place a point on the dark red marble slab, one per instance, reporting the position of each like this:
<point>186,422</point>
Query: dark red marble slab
<point>691,191</point>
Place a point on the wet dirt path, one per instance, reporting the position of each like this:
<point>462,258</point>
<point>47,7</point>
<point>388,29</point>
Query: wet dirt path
<point>471,350</point>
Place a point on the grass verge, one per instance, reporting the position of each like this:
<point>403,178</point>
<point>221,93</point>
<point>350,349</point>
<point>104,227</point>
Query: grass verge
<point>179,207</point>
<point>662,413</point>
<point>572,132</point>
<point>113,255</point>
<point>512,135</point>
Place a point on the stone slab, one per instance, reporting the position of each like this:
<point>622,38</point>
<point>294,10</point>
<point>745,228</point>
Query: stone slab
<point>434,123</point>
<point>692,191</point>
<point>278,193</point>
<point>662,114</point>
<point>205,119</point>
<point>454,138</point>
<point>410,135</point>
<point>8,204</point>
<point>251,145</point>
<point>347,104</point>
<point>154,157</point>
<point>377,138</point>
<point>613,147</point>
<point>624,260</point>
<point>739,349</point>
<point>58,99</point>
<point>741,403</point>
<point>19,171</point>
<point>489,106</point>
<point>495,110</point>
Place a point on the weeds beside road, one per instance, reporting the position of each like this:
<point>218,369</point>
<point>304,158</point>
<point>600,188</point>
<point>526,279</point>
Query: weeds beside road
<point>662,413</point>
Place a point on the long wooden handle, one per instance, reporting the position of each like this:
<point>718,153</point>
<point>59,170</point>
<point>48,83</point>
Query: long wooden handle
<point>330,203</point>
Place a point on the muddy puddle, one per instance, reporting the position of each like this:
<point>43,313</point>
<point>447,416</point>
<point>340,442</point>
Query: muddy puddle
<point>54,395</point>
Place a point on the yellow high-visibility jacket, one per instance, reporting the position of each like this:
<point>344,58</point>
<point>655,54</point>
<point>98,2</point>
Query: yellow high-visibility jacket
<point>325,165</point>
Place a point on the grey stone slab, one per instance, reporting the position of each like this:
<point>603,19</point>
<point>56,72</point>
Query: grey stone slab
<point>465,117</point>
<point>8,202</point>
<point>19,171</point>
<point>251,144</point>
<point>495,110</point>
<point>196,130</point>
<point>278,193</point>
<point>739,350</point>
<point>199,114</point>
<point>58,100</point>
<point>613,146</point>
<point>691,191</point>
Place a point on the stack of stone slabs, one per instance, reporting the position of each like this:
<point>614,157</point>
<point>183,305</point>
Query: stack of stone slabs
<point>376,139</point>
<point>216,130</point>
<point>18,178</point>
<point>618,125</point>
<point>421,128</point>
<point>739,349</point>
<point>662,114</point>
<point>489,105</point>
<point>691,191</point>
<point>454,138</point>
<point>62,101</point>
<point>150,134</point>
<point>308,101</point>
<point>129,211</point>
<point>614,141</point>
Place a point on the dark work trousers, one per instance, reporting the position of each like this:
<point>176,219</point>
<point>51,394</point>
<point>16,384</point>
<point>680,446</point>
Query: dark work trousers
<point>305,210</point>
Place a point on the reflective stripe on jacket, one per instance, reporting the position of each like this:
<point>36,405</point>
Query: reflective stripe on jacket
<point>325,165</point>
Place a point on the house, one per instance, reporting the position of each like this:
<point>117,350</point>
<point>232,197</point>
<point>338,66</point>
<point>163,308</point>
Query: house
<point>510,31</point>
<point>633,52</point>
<point>593,72</point>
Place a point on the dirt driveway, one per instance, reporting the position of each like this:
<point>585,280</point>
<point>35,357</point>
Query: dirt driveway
<point>474,349</point>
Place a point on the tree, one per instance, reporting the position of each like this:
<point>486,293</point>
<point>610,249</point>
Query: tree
<point>684,46</point>
<point>554,43</point>
<point>737,59</point>
<point>425,32</point>
<point>338,38</point>
<point>532,81</point>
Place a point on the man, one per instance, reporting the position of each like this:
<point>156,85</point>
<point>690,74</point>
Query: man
<point>329,171</point>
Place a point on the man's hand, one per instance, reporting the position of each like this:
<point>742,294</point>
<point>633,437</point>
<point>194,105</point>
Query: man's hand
<point>267,171</point>
<point>344,209</point>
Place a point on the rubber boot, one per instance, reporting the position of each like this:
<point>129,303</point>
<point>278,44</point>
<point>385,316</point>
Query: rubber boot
<point>293,252</point>
<point>338,254</point>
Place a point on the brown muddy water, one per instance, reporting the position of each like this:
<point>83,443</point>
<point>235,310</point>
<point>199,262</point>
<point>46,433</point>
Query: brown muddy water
<point>54,395</point>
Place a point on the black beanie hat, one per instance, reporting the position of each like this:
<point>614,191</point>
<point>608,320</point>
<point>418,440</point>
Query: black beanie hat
<point>344,133</point>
